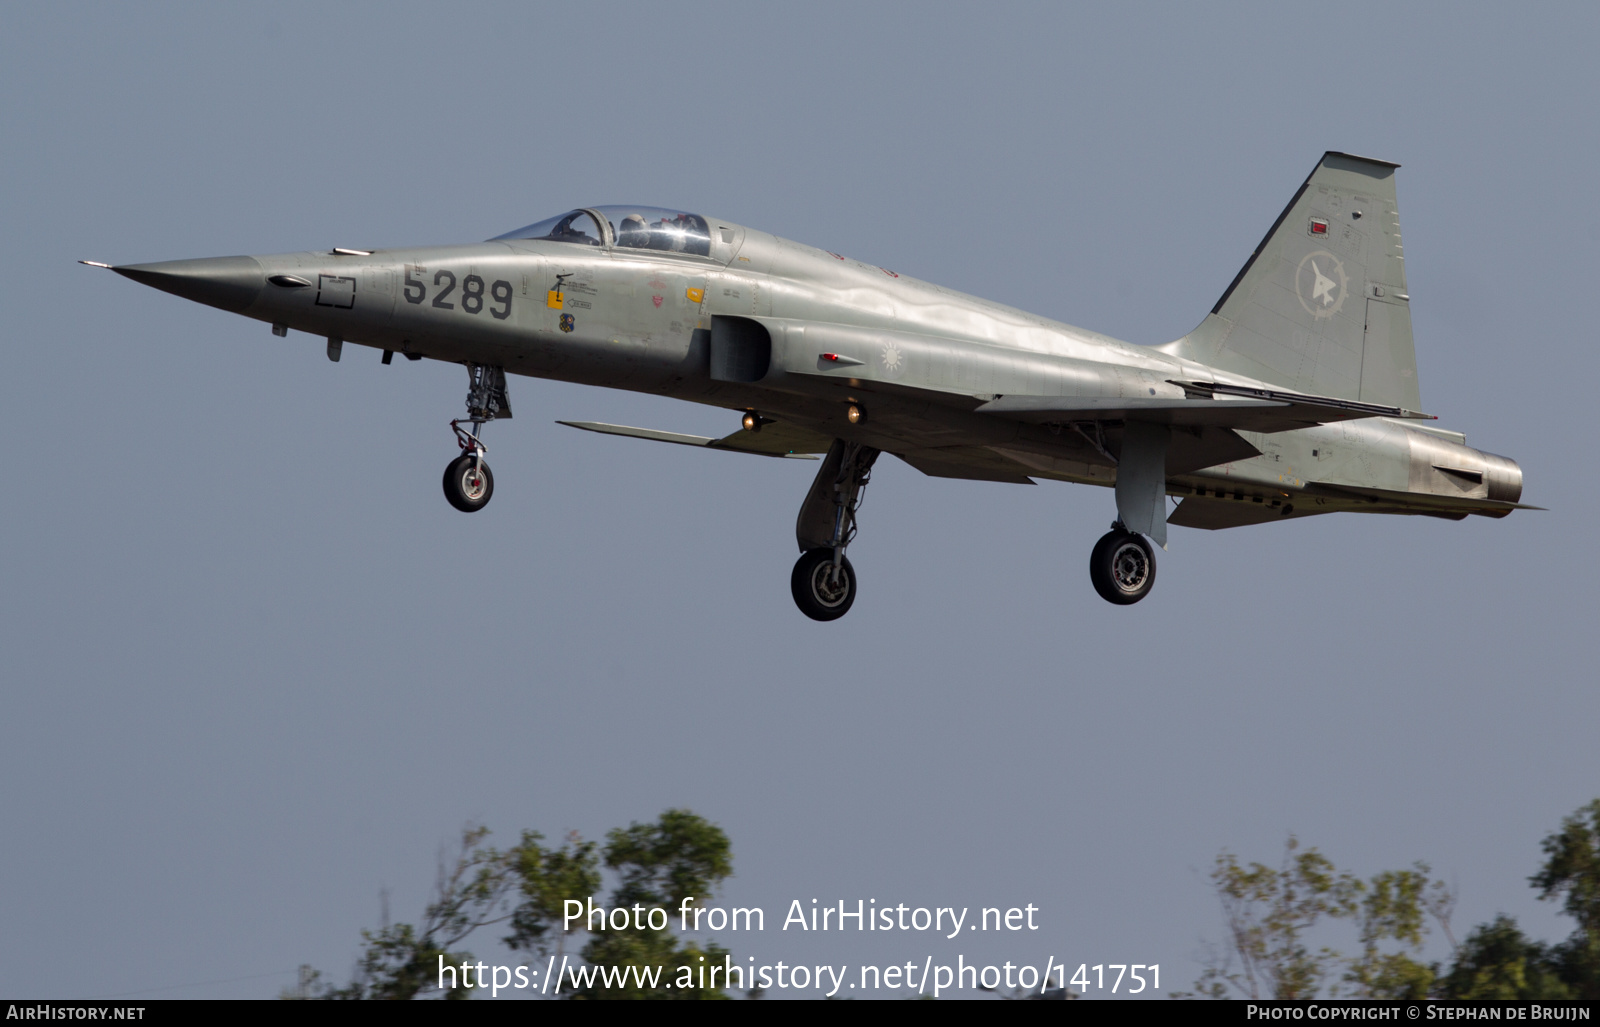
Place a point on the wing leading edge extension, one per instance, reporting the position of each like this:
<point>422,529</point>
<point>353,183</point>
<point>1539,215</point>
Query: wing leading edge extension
<point>772,440</point>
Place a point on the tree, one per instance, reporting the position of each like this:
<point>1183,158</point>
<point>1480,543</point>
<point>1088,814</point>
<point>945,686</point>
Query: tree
<point>548,877</point>
<point>399,961</point>
<point>1497,961</point>
<point>1392,906</point>
<point>1268,913</point>
<point>679,858</point>
<point>1272,912</point>
<point>1571,873</point>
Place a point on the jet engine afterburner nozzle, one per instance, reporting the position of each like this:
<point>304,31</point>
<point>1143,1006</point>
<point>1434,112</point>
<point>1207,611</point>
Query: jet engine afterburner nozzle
<point>1504,476</point>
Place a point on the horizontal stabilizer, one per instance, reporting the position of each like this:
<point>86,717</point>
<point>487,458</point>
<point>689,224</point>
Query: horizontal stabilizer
<point>771,440</point>
<point>1205,404</point>
<point>1318,404</point>
<point>1391,501</point>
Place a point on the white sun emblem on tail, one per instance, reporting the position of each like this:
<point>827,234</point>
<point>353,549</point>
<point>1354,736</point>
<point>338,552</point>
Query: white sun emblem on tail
<point>891,357</point>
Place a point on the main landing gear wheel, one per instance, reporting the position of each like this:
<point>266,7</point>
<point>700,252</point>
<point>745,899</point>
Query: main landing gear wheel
<point>468,483</point>
<point>1122,567</point>
<point>821,592</point>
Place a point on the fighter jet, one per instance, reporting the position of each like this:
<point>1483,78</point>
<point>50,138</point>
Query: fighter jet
<point>1296,395</point>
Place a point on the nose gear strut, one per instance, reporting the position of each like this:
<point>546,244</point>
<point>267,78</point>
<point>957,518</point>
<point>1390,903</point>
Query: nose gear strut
<point>823,581</point>
<point>468,483</point>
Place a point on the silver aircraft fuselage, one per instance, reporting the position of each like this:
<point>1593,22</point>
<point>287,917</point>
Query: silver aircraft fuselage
<point>829,348</point>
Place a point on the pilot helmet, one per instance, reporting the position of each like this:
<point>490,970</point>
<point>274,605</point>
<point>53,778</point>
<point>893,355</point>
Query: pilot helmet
<point>633,231</point>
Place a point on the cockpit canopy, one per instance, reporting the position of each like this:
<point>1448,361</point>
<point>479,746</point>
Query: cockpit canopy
<point>640,228</point>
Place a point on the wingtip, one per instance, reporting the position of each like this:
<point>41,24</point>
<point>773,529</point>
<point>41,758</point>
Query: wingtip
<point>1356,156</point>
<point>95,263</point>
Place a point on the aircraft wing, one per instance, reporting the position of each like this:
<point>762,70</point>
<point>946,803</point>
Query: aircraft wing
<point>1205,404</point>
<point>774,439</point>
<point>975,463</point>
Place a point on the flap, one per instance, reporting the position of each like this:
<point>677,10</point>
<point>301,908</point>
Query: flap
<point>971,462</point>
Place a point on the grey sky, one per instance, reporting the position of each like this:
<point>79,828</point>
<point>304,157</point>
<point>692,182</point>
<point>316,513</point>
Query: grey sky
<point>255,668</point>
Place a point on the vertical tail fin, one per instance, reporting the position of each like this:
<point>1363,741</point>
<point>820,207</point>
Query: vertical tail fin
<point>1321,306</point>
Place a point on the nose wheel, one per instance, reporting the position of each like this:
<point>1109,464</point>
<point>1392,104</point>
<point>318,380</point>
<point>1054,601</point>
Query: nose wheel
<point>1122,567</point>
<point>468,483</point>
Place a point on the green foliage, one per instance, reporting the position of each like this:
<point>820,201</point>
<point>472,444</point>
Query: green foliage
<point>399,961</point>
<point>682,966</point>
<point>680,856</point>
<point>548,877</point>
<point>1392,907</point>
<point>397,964</point>
<point>1498,962</point>
<point>1572,868</point>
<point>1271,912</point>
<point>1268,913</point>
<point>1571,873</point>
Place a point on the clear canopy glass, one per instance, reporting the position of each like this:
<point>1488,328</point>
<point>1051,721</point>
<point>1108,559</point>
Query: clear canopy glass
<point>629,227</point>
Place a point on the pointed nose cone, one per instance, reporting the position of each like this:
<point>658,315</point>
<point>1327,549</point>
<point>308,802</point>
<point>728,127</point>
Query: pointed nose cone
<point>232,283</point>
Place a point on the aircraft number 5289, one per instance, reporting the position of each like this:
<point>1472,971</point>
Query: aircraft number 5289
<point>471,292</point>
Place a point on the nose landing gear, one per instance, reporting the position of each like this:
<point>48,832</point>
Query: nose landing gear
<point>468,483</point>
<point>1122,566</point>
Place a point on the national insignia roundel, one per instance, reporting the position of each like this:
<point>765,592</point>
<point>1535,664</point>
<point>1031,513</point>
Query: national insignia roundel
<point>1320,283</point>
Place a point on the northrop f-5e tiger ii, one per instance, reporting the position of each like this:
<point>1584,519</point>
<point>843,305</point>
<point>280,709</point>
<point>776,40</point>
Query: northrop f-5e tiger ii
<point>1297,395</point>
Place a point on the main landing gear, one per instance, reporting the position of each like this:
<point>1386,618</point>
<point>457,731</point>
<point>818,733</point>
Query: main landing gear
<point>1122,566</point>
<point>468,483</point>
<point>823,582</point>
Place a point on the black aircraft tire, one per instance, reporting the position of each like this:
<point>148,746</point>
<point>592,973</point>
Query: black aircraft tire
<point>817,596</point>
<point>463,493</point>
<point>1122,567</point>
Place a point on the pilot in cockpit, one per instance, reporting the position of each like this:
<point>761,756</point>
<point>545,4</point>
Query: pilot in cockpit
<point>669,234</point>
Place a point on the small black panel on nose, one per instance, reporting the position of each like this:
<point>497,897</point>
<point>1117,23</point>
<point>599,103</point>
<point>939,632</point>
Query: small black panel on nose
<point>336,291</point>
